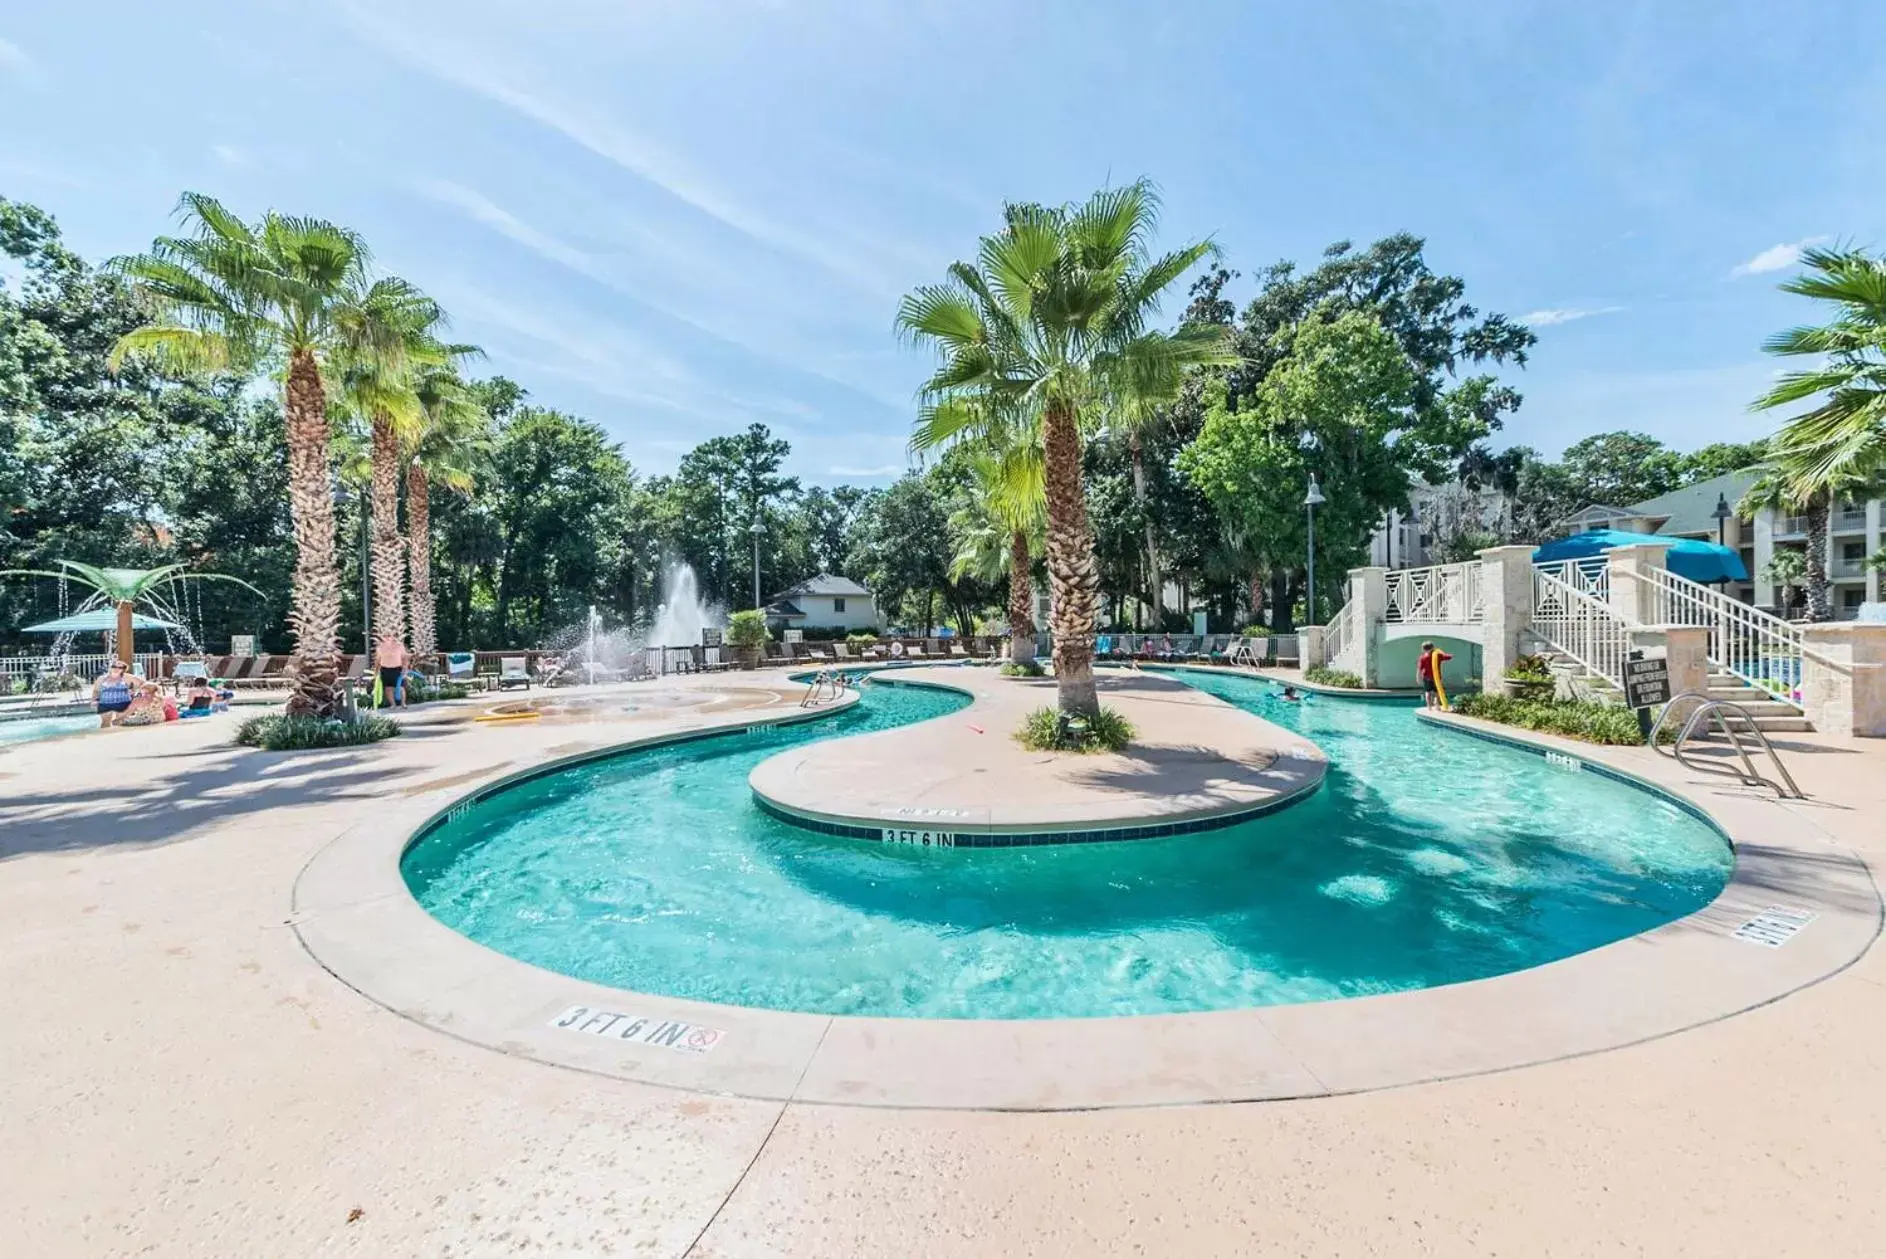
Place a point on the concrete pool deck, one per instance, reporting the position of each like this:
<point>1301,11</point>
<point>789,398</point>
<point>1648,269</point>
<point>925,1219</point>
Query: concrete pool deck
<point>184,1079</point>
<point>1195,761</point>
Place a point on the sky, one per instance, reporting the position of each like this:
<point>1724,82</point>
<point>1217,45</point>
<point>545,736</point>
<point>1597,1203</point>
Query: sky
<point>679,217</point>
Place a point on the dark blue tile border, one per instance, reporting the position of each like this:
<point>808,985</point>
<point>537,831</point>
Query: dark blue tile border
<point>1030,839</point>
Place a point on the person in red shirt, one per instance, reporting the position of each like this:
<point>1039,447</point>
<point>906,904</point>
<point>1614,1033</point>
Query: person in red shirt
<point>1429,671</point>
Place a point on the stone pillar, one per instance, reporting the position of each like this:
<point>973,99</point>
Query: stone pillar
<point>1506,611</point>
<point>1843,677</point>
<point>1368,590</point>
<point>1766,596</point>
<point>1310,646</point>
<point>1685,650</point>
<point>1631,592</point>
<point>1875,543</point>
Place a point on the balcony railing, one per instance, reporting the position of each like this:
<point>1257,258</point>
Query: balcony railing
<point>1849,519</point>
<point>1790,524</point>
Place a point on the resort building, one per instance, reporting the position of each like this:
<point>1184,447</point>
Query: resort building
<point>1707,511</point>
<point>823,602</point>
<point>1436,513</point>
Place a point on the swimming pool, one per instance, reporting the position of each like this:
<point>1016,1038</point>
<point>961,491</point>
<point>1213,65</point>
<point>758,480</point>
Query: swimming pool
<point>1427,858</point>
<point>27,729</point>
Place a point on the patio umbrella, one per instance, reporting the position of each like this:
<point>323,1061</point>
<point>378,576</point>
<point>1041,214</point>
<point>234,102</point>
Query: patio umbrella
<point>1688,557</point>
<point>100,621</point>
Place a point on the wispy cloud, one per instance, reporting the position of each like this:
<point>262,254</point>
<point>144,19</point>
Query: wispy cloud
<point>14,61</point>
<point>889,469</point>
<point>1776,257</point>
<point>1565,314</point>
<point>633,152</point>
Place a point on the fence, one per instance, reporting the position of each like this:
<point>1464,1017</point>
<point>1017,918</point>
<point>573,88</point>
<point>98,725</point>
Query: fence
<point>1448,593</point>
<point>1757,647</point>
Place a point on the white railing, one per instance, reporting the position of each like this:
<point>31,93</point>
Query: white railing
<point>1761,649</point>
<point>1343,634</point>
<point>1591,575</point>
<point>86,667</point>
<point>1579,625</point>
<point>1449,593</point>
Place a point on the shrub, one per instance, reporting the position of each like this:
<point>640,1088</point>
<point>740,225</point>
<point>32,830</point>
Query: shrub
<point>1023,669</point>
<point>276,733</point>
<point>861,640</point>
<point>1575,719</point>
<point>1255,631</point>
<point>1046,730</point>
<point>1333,677</point>
<point>424,692</point>
<point>747,629</point>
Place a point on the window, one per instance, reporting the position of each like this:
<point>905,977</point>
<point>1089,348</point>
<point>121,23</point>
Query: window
<point>1853,552</point>
<point>838,605</point>
<point>1853,597</point>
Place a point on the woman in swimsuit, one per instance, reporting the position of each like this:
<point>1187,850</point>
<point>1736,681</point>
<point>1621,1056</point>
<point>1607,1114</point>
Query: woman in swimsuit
<point>112,694</point>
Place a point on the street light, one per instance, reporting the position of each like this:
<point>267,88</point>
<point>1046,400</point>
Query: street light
<point>1311,502</point>
<point>756,530</point>
<point>1722,514</point>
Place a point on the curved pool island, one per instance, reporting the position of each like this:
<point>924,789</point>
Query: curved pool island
<point>1438,906</point>
<point>1195,764</point>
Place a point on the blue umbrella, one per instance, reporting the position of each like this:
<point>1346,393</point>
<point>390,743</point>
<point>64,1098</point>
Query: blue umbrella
<point>103,620</point>
<point>1688,557</point>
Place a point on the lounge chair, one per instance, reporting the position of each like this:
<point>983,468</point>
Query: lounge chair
<point>842,651</point>
<point>513,671</point>
<point>258,669</point>
<point>460,666</point>
<point>956,651</point>
<point>915,652</point>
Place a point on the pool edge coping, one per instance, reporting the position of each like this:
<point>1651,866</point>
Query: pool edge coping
<point>1258,1053</point>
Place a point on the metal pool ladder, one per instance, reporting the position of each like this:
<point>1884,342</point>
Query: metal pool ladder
<point>826,685</point>
<point>1721,712</point>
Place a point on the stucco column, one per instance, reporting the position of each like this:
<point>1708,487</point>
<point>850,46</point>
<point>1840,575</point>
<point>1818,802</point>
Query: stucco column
<point>1766,596</point>
<point>1632,596</point>
<point>1843,677</point>
<point>1875,541</point>
<point>1310,647</point>
<point>1368,590</point>
<point>1685,650</point>
<point>1505,611</point>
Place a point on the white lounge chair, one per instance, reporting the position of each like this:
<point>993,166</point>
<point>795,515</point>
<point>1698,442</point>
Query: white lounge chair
<point>513,671</point>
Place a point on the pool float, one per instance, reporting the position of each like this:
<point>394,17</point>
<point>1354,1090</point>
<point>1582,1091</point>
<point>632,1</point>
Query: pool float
<point>1440,688</point>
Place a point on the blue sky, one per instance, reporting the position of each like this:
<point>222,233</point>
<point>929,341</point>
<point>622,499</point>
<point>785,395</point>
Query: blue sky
<point>680,216</point>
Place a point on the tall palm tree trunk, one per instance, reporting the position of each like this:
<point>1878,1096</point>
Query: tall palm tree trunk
<point>389,554</point>
<point>419,559</point>
<point>1071,571</point>
<point>1021,600</point>
<point>316,614</point>
<point>1820,603</point>
<point>1157,599</point>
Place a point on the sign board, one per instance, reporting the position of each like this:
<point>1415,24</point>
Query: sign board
<point>710,637</point>
<point>242,644</point>
<point>1646,683</point>
<point>1198,624</point>
<point>795,636</point>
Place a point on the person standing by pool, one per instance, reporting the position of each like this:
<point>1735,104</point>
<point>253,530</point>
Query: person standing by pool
<point>1433,693</point>
<point>390,659</point>
<point>112,694</point>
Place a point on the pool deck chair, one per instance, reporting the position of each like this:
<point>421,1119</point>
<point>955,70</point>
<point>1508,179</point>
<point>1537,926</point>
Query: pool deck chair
<point>513,671</point>
<point>956,650</point>
<point>915,651</point>
<point>460,666</point>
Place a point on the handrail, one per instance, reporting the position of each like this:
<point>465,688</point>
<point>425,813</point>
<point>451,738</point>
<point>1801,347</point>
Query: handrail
<point>1715,708</point>
<point>1760,648</point>
<point>826,686</point>
<point>1578,625</point>
<point>1341,630</point>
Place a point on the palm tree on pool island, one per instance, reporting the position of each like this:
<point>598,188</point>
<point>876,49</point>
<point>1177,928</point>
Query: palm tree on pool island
<point>1051,318</point>
<point>229,294</point>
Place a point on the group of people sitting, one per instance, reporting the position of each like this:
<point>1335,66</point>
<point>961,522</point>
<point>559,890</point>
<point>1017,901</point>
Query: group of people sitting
<point>123,699</point>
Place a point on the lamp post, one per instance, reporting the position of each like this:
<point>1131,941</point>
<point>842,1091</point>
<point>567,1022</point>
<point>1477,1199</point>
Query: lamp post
<point>1722,514</point>
<point>1311,502</point>
<point>756,530</point>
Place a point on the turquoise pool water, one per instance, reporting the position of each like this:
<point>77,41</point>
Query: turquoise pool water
<point>25,730</point>
<point>1427,858</point>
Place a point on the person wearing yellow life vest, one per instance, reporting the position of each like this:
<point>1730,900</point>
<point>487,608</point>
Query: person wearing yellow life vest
<point>1433,692</point>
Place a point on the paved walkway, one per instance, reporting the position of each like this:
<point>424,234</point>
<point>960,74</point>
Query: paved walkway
<point>1193,758</point>
<point>182,1079</point>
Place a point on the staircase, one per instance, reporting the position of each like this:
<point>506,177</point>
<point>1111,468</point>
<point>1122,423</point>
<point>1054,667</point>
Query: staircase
<point>1771,715</point>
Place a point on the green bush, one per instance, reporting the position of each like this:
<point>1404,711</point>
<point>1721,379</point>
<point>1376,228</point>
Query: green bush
<point>1255,631</point>
<point>861,640</point>
<point>1575,719</point>
<point>276,733</point>
<point>1023,669</point>
<point>747,629</point>
<point>1333,677</point>
<point>1044,730</point>
<point>418,692</point>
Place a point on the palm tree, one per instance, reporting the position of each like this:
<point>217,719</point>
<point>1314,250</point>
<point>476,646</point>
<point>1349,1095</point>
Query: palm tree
<point>385,339</point>
<point>1838,447</point>
<point>1141,405</point>
<point>446,450</point>
<point>231,294</point>
<point>1049,320</point>
<point>999,530</point>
